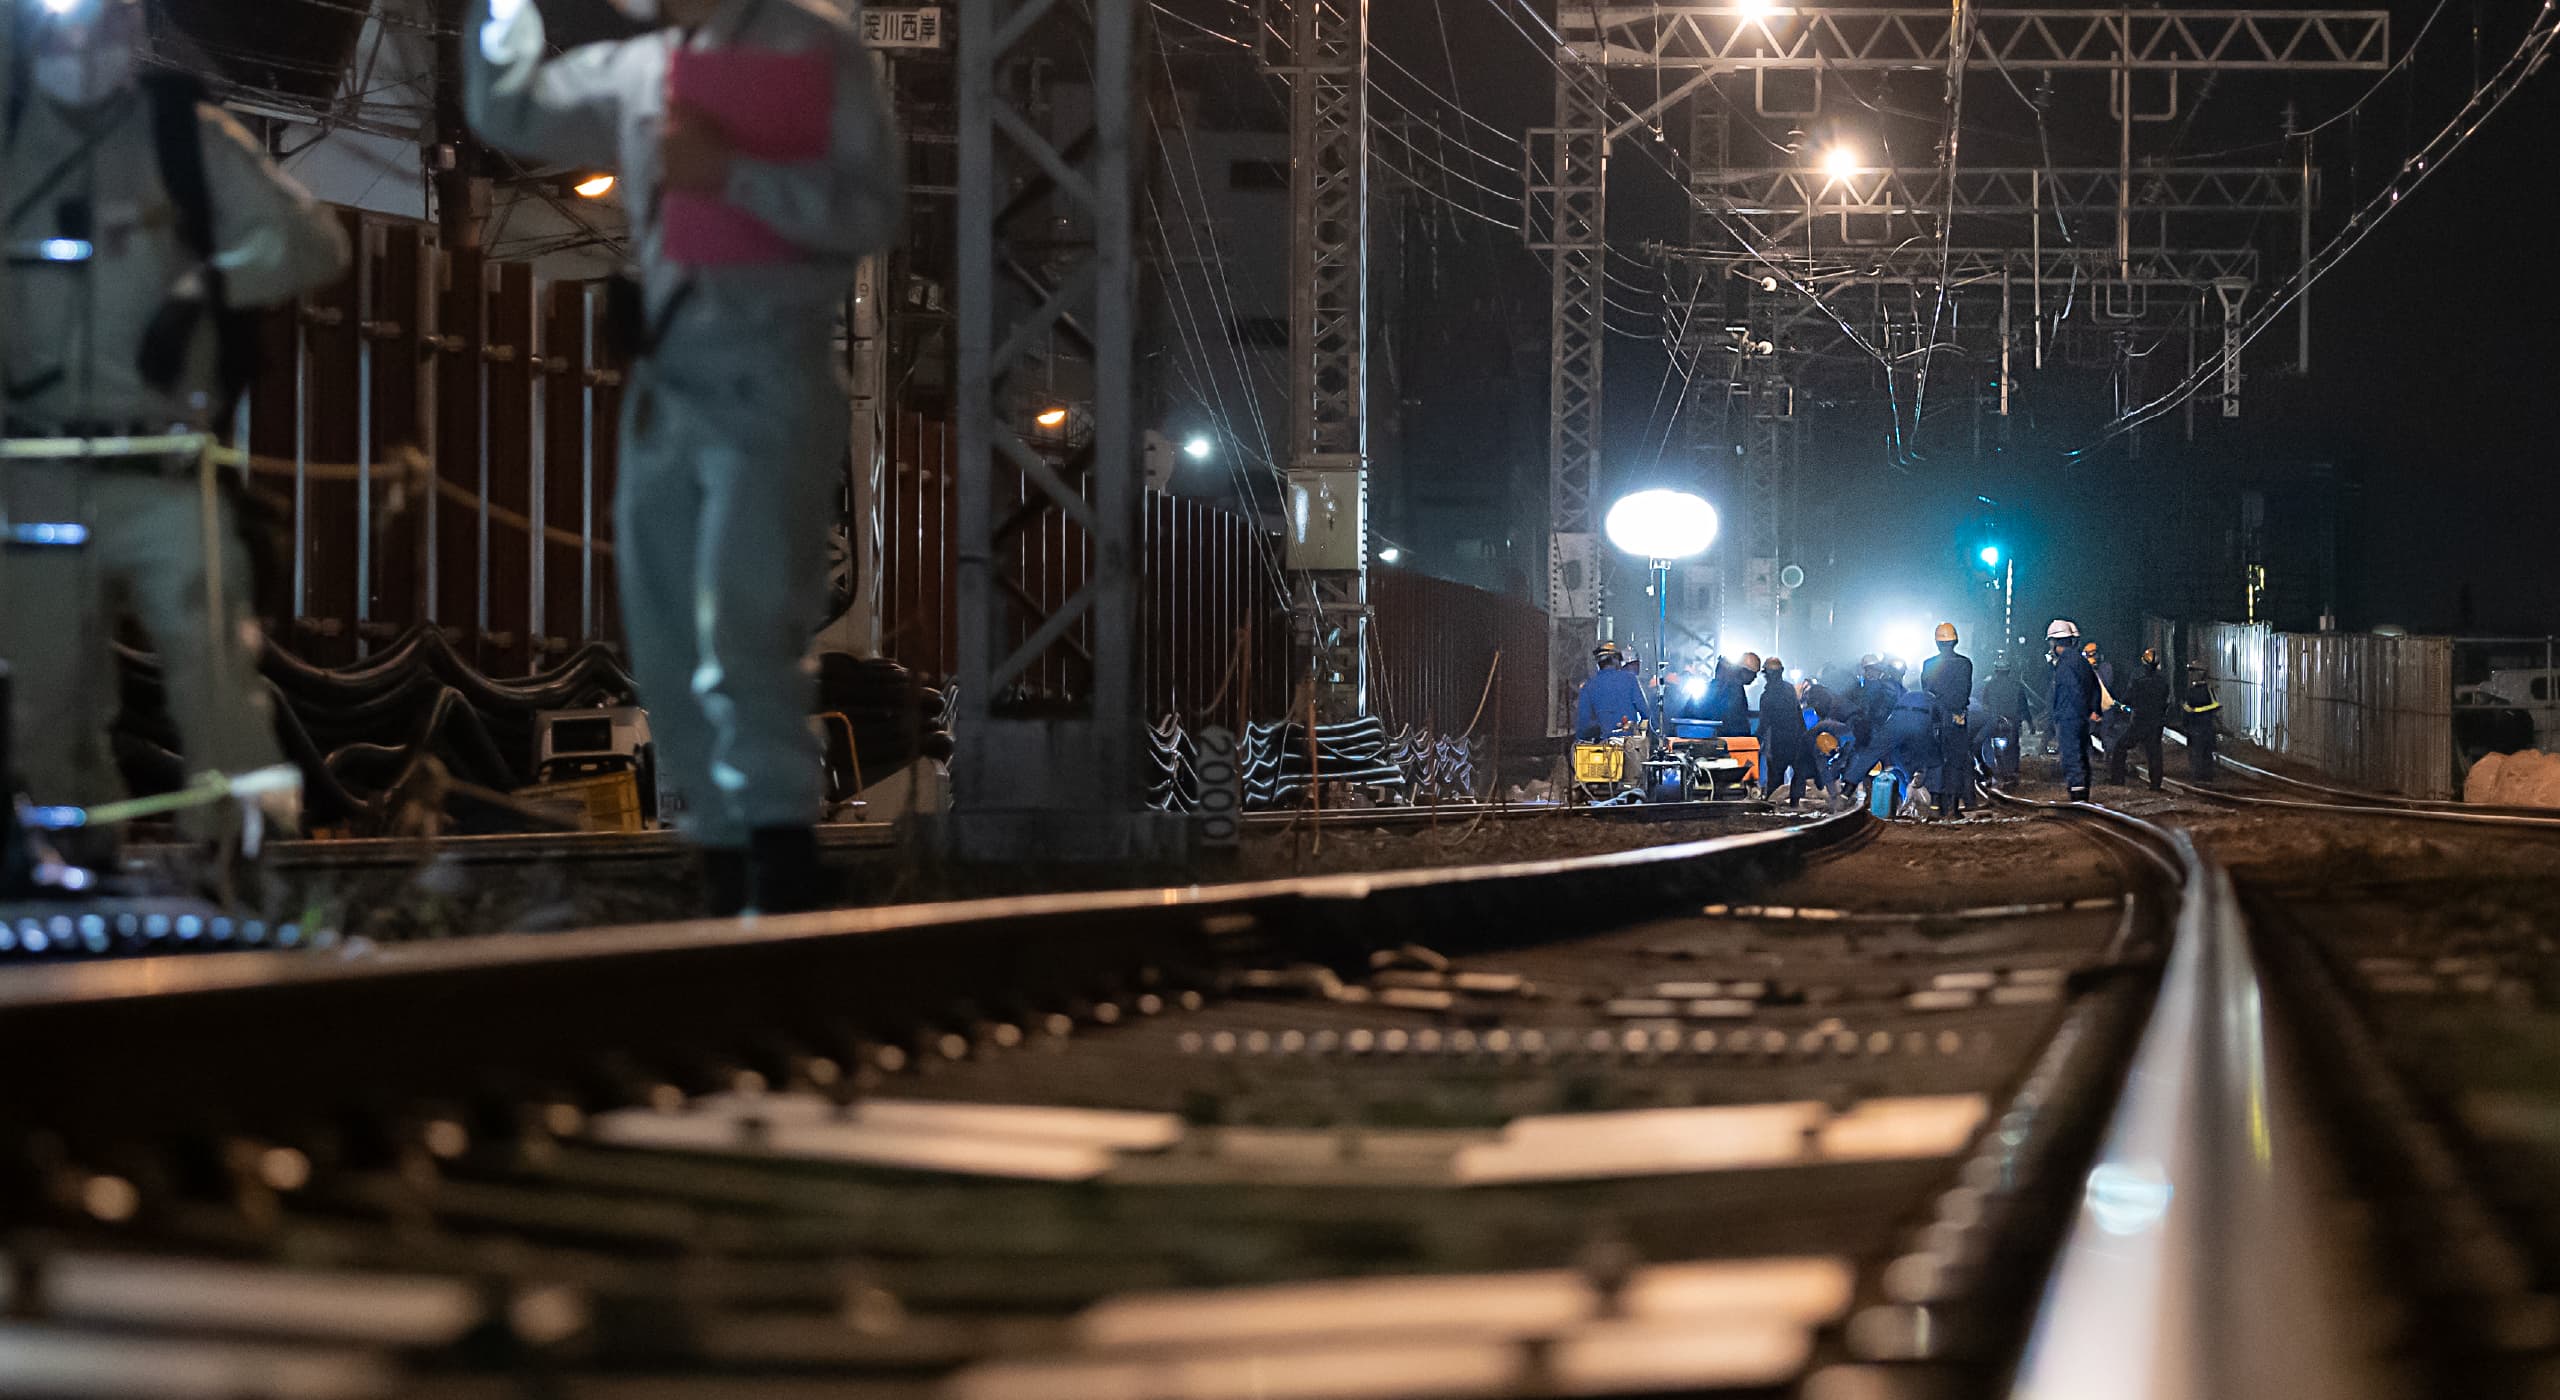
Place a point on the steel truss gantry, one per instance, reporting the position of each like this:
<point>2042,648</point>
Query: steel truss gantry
<point>1565,193</point>
<point>1052,776</point>
<point>1328,70</point>
<point>1783,204</point>
<point>1735,38</point>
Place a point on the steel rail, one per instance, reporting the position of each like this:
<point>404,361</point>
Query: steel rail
<point>276,1041</point>
<point>2195,1265</point>
<point>380,851</point>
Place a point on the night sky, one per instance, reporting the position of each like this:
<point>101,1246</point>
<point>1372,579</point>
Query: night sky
<point>2432,368</point>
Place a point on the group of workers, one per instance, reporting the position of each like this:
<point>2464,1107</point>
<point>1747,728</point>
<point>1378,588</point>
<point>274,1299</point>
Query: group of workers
<point>144,223</point>
<point>1943,734</point>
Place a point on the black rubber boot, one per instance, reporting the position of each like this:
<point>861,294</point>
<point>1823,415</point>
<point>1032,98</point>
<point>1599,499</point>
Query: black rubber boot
<point>724,882</point>
<point>782,870</point>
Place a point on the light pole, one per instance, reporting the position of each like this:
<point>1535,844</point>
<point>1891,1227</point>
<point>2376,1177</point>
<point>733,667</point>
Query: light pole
<point>2006,570</point>
<point>1660,527</point>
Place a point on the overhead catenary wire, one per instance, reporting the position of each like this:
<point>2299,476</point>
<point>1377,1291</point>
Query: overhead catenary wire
<point>2484,103</point>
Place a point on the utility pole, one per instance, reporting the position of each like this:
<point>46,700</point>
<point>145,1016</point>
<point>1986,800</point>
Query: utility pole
<point>1328,501</point>
<point>1052,777</point>
<point>1568,175</point>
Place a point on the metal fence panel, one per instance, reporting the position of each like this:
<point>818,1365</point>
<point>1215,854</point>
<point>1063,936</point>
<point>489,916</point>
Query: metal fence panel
<point>2369,711</point>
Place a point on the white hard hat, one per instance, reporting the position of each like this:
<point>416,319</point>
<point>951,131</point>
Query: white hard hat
<point>2062,627</point>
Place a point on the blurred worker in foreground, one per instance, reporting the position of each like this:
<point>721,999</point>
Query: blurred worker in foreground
<point>1786,749</point>
<point>142,223</point>
<point>2201,713</point>
<point>1948,678</point>
<point>2011,703</point>
<point>2075,704</point>
<point>2146,711</point>
<point>733,427</point>
<point>1611,700</point>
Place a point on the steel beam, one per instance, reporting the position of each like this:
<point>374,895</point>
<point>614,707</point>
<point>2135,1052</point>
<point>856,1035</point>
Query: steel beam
<point>1056,777</point>
<point>1328,71</point>
<point>1567,197</point>
<point>1747,37</point>
<point>2086,267</point>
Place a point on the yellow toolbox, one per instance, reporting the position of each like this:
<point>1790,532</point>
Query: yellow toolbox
<point>605,802</point>
<point>1599,763</point>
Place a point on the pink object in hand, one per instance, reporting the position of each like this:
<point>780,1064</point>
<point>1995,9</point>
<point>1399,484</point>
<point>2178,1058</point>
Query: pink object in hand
<point>774,107</point>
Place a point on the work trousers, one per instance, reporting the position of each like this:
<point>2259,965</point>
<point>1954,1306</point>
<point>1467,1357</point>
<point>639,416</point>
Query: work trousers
<point>145,560</point>
<point>1954,782</point>
<point>2201,739</point>
<point>729,477</point>
<point>2146,737</point>
<point>2072,733</point>
<point>1794,762</point>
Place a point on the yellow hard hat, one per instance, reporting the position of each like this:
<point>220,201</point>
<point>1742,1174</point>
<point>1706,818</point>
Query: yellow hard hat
<point>1946,631</point>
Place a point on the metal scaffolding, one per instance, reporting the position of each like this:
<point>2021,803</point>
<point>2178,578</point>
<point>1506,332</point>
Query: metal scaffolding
<point>1057,777</point>
<point>1567,207</point>
<point>1328,69</point>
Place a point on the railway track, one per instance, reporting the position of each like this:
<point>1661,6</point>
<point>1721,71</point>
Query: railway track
<point>1677,1121</point>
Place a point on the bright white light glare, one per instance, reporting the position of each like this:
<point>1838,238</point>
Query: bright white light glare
<point>60,7</point>
<point>1050,418</point>
<point>1840,162</point>
<point>1796,677</point>
<point>2128,1198</point>
<point>1662,524</point>
<point>1991,555</point>
<point>594,187</point>
<point>1197,449</point>
<point>1390,554</point>
<point>1904,640</point>
<point>66,250</point>
<point>1752,9</point>
<point>1695,687</point>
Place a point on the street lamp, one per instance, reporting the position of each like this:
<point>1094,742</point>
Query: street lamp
<point>1840,162</point>
<point>1197,449</point>
<point>1660,526</point>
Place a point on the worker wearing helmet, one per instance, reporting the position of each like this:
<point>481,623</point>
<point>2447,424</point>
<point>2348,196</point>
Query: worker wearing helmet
<point>2200,712</point>
<point>733,424</point>
<point>2146,710</point>
<point>1786,749</point>
<point>144,224</point>
<point>1948,678</point>
<point>2075,704</point>
<point>1612,700</point>
<point>1729,694</point>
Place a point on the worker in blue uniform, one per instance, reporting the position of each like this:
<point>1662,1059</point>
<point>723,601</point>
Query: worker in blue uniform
<point>1729,695</point>
<point>1909,744</point>
<point>2199,712</point>
<point>1786,747</point>
<point>734,422</point>
<point>1612,700</point>
<point>2075,704</point>
<point>1948,679</point>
